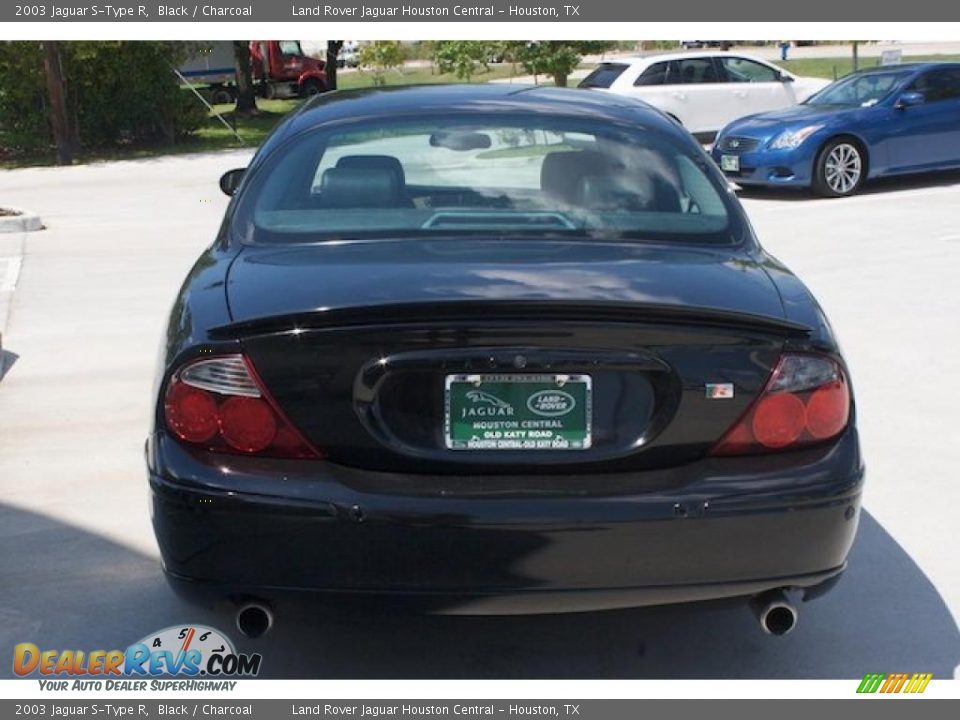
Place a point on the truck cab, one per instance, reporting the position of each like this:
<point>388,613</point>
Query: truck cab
<point>281,69</point>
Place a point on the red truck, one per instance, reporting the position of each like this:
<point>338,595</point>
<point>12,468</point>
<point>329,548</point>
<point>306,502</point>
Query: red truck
<point>280,70</point>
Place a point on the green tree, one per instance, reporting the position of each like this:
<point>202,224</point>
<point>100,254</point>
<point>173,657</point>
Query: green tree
<point>556,58</point>
<point>464,58</point>
<point>380,56</point>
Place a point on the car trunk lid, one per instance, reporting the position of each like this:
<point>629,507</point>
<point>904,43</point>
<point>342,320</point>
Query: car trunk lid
<point>362,345</point>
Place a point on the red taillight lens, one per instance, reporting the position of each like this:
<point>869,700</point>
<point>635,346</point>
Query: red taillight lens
<point>247,424</point>
<point>191,413</point>
<point>828,410</point>
<point>220,404</point>
<point>778,420</point>
<point>806,401</point>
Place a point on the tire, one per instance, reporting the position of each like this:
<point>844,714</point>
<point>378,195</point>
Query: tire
<point>840,169</point>
<point>221,96</point>
<point>311,87</point>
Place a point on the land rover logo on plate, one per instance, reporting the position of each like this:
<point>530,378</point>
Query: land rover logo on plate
<point>551,403</point>
<point>517,411</point>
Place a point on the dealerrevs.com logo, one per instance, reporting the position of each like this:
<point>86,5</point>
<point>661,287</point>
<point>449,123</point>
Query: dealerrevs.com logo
<point>181,651</point>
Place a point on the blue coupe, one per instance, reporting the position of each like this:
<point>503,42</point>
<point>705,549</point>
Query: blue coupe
<point>874,123</point>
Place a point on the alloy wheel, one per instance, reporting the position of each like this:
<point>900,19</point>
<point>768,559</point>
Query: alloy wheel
<point>843,168</point>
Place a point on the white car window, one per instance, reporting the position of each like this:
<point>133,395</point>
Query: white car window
<point>743,70</point>
<point>656,74</point>
<point>603,76</point>
<point>696,71</point>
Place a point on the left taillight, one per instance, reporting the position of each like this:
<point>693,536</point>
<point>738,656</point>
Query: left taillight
<point>806,401</point>
<point>220,404</point>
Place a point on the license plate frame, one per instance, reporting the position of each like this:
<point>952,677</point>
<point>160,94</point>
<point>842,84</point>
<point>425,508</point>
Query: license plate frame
<point>730,163</point>
<point>519,412</point>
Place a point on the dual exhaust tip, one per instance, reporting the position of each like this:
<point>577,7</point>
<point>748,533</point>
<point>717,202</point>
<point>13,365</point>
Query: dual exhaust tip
<point>774,611</point>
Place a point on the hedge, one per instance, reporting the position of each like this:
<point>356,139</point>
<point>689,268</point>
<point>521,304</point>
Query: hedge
<point>118,93</point>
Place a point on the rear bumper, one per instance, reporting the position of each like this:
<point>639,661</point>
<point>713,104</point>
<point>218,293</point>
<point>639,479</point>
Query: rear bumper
<point>737,527</point>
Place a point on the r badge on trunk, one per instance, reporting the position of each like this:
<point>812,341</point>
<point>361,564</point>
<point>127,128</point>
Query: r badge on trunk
<point>719,391</point>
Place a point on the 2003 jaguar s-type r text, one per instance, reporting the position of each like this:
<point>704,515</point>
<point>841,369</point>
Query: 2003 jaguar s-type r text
<point>498,350</point>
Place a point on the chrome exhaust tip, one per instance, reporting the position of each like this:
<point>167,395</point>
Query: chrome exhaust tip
<point>254,620</point>
<point>775,613</point>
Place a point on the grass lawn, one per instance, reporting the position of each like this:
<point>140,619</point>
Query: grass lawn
<point>839,66</point>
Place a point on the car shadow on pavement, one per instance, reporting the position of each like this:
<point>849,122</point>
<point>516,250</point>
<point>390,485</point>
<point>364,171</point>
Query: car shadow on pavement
<point>65,587</point>
<point>901,183</point>
<point>7,359</point>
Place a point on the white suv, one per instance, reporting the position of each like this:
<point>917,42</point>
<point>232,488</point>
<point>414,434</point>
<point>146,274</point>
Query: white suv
<point>704,91</point>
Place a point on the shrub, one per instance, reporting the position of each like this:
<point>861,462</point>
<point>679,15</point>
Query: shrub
<point>23,98</point>
<point>118,92</point>
<point>379,56</point>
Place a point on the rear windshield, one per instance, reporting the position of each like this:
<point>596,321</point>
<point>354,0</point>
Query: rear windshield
<point>603,76</point>
<point>452,176</point>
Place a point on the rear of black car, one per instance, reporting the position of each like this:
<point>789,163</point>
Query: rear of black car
<point>534,399</point>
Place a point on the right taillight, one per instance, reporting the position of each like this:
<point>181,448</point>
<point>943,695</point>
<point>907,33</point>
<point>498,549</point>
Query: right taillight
<point>806,401</point>
<point>220,404</point>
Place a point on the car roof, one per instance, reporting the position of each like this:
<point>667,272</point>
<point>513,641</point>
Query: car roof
<point>487,98</point>
<point>911,67</point>
<point>666,57</point>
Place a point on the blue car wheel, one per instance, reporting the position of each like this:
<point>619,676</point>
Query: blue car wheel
<point>841,168</point>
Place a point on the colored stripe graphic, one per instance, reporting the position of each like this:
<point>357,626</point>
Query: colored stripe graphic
<point>919,682</point>
<point>889,683</point>
<point>871,682</point>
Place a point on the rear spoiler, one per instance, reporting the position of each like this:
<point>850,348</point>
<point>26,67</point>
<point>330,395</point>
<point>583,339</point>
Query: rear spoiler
<point>505,310</point>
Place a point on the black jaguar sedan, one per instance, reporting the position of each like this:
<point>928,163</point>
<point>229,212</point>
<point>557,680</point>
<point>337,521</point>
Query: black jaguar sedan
<point>497,350</point>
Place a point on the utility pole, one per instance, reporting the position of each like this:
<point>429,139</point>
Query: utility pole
<point>58,102</point>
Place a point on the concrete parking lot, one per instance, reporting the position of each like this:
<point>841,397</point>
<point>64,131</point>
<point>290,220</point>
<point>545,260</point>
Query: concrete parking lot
<point>79,566</point>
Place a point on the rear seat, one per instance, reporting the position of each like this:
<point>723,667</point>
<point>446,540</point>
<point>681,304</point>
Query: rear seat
<point>592,180</point>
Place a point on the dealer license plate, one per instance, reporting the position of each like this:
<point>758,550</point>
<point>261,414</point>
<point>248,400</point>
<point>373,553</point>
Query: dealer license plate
<point>517,412</point>
<point>730,163</point>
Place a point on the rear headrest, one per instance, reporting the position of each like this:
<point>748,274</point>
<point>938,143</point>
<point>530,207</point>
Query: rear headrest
<point>374,162</point>
<point>561,172</point>
<point>359,188</point>
<point>634,193</point>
